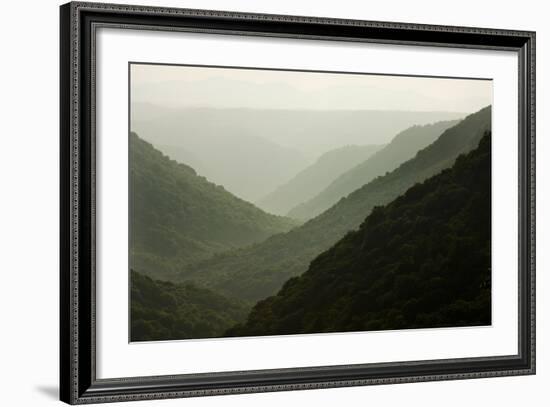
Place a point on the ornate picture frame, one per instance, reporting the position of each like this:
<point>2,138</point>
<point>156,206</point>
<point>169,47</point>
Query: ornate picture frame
<point>79,382</point>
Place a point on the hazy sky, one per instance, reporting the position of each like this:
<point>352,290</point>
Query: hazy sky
<point>182,86</point>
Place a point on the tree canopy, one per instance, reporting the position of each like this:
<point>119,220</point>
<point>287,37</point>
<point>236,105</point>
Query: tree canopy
<point>422,261</point>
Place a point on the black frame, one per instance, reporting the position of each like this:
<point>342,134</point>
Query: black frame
<point>78,382</point>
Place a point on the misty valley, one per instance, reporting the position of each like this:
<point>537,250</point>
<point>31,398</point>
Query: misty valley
<point>237,231</point>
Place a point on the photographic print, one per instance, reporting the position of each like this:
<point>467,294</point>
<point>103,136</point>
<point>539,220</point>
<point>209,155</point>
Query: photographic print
<point>276,202</point>
<point>326,189</point>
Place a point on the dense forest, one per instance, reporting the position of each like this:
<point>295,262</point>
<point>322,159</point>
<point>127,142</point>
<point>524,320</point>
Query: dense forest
<point>258,271</point>
<point>161,310</point>
<point>178,217</point>
<point>405,244</point>
<point>401,148</point>
<point>423,260</point>
<point>315,178</point>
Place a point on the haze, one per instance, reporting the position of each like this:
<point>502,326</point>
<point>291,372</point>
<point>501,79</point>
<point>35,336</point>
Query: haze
<point>253,130</point>
<point>184,86</point>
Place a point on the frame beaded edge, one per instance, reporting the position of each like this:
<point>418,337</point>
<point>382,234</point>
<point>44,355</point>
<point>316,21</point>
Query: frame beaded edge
<point>76,7</point>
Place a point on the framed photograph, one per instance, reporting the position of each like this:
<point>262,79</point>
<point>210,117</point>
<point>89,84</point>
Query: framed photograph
<point>255,203</point>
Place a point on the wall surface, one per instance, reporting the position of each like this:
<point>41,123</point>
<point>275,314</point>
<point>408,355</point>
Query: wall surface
<point>29,204</point>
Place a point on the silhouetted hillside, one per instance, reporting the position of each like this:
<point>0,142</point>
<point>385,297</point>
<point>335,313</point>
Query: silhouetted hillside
<point>178,217</point>
<point>402,148</point>
<point>253,151</point>
<point>311,181</point>
<point>246,165</point>
<point>160,310</point>
<point>423,261</point>
<point>258,271</point>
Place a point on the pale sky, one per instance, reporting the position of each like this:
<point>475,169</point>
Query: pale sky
<point>183,86</point>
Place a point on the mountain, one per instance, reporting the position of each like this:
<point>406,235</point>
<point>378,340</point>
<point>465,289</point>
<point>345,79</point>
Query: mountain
<point>251,152</point>
<point>177,216</point>
<point>258,271</point>
<point>315,178</point>
<point>246,165</point>
<point>161,310</point>
<point>402,147</point>
<point>309,132</point>
<point>422,261</point>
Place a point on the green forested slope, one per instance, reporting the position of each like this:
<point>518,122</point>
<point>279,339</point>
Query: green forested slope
<point>161,310</point>
<point>258,271</point>
<point>312,180</point>
<point>178,217</point>
<point>422,261</point>
<point>403,147</point>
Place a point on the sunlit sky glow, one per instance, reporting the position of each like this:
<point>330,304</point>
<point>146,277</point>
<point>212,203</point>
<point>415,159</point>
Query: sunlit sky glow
<point>185,86</point>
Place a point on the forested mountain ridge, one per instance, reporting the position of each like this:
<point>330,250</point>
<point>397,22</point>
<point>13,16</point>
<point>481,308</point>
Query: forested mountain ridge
<point>161,310</point>
<point>422,261</point>
<point>177,216</point>
<point>402,148</point>
<point>258,271</point>
<point>275,144</point>
<point>312,180</point>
